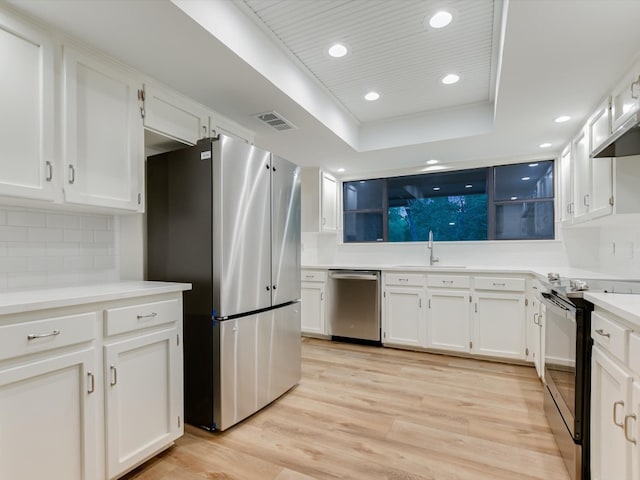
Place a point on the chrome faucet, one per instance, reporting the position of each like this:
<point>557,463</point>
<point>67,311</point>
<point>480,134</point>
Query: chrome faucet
<point>432,259</point>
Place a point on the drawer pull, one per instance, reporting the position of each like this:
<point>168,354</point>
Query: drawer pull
<point>626,428</point>
<point>403,279</point>
<point>615,411</point>
<point>114,375</point>
<point>33,336</point>
<point>151,315</point>
<point>601,332</point>
<point>496,284</point>
<point>447,281</point>
<point>309,276</point>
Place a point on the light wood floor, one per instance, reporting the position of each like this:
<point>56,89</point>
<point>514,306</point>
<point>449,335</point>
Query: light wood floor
<point>371,413</point>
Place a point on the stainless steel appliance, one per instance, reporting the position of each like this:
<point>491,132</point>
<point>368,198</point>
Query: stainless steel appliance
<point>623,142</point>
<point>354,305</point>
<point>225,216</point>
<point>567,371</point>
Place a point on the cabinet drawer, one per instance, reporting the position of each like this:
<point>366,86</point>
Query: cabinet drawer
<point>449,281</point>
<point>501,284</point>
<point>634,353</point>
<point>137,317</point>
<point>41,335</point>
<point>412,279</point>
<point>314,276</point>
<point>610,335</point>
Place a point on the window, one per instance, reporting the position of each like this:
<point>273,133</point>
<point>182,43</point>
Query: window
<point>496,203</point>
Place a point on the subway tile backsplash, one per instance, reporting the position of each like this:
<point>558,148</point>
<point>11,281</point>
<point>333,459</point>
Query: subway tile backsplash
<point>43,248</point>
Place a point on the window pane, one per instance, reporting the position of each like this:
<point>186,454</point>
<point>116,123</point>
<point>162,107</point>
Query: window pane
<point>363,227</point>
<point>462,217</point>
<point>524,220</point>
<point>363,195</point>
<point>523,181</point>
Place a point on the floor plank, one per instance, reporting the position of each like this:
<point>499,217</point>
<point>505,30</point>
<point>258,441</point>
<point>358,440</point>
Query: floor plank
<point>364,412</point>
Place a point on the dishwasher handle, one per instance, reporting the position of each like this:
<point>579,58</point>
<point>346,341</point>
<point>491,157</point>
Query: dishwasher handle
<point>355,275</point>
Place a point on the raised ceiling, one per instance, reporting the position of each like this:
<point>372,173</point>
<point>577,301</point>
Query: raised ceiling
<point>392,50</point>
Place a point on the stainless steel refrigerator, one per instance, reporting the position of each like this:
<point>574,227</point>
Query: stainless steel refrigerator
<point>225,216</point>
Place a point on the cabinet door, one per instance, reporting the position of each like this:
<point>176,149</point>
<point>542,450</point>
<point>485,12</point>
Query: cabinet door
<point>174,116</point>
<point>143,397</point>
<point>448,320</point>
<point>48,418</point>
<point>566,187</point>
<point>582,176</point>
<point>103,146</point>
<point>404,317</point>
<point>499,326</point>
<point>329,203</point>
<point>610,397</point>
<point>600,201</point>
<point>26,115</point>
<point>313,308</point>
<point>624,99</point>
<point>633,430</point>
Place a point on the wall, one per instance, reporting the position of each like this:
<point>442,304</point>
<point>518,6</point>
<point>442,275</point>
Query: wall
<point>41,248</point>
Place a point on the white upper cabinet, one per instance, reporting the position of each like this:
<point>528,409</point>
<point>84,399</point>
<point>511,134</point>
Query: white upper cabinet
<point>103,147</point>
<point>625,98</point>
<point>566,186</point>
<point>319,201</point>
<point>173,115</point>
<point>26,112</point>
<point>581,175</point>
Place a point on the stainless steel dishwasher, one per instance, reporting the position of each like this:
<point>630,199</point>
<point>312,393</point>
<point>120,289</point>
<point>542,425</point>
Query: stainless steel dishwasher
<point>354,305</point>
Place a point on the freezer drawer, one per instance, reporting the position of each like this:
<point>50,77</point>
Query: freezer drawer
<point>354,304</point>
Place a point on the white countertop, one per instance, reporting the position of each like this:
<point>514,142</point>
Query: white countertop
<point>624,305</point>
<point>17,301</point>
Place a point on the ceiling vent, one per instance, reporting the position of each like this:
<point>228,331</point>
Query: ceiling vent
<point>275,121</point>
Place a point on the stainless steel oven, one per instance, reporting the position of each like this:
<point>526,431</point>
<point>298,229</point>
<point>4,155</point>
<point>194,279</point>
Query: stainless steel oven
<point>567,376</point>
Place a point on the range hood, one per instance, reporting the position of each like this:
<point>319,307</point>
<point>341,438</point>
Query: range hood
<point>625,141</point>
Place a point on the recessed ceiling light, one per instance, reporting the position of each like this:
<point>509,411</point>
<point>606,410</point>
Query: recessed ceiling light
<point>338,50</point>
<point>433,161</point>
<point>450,79</point>
<point>435,189</point>
<point>468,186</point>
<point>341,170</point>
<point>545,145</point>
<point>533,165</point>
<point>372,96</point>
<point>562,119</point>
<point>440,19</point>
<point>524,179</point>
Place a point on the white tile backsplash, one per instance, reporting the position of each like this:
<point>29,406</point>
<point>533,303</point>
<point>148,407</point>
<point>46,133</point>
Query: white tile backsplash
<point>40,248</point>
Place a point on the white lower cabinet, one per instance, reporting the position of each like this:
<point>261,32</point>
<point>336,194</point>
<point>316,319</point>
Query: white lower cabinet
<point>448,325</point>
<point>314,294</point>
<point>406,307</point>
<point>499,325</point>
<point>143,397</point>
<point>48,417</point>
<point>69,412</point>
<point>610,398</point>
<point>633,426</point>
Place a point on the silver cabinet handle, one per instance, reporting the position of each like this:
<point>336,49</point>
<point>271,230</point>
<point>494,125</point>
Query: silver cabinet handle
<point>626,428</point>
<point>150,315</point>
<point>33,336</point>
<point>615,411</point>
<point>496,284</point>
<point>602,333</point>
<point>114,375</point>
<point>447,281</point>
<point>420,303</point>
<point>72,174</point>
<point>535,317</point>
<point>49,168</point>
<point>637,82</point>
<point>92,382</point>
<point>403,279</point>
<point>585,200</point>
<point>309,276</point>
